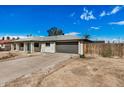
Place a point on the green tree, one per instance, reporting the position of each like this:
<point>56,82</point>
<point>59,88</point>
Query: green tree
<point>29,35</point>
<point>54,31</point>
<point>13,38</point>
<point>3,38</point>
<point>8,38</point>
<point>18,38</point>
<point>86,36</point>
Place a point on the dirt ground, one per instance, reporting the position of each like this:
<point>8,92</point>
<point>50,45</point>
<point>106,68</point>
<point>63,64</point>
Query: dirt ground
<point>9,55</point>
<point>13,69</point>
<point>4,55</point>
<point>86,72</point>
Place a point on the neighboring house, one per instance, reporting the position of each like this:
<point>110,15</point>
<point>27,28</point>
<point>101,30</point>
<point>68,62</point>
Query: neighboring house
<point>5,45</point>
<point>51,44</point>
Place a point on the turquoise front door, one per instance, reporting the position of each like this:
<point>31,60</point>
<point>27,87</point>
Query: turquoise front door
<point>29,47</point>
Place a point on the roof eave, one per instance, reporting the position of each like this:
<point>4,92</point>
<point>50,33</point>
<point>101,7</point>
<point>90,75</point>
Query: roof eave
<point>44,40</point>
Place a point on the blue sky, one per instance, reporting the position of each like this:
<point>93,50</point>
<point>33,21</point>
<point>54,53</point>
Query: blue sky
<point>98,21</point>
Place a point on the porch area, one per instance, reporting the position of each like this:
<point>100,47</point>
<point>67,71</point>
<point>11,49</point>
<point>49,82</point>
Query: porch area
<point>28,47</point>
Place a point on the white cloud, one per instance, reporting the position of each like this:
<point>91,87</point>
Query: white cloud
<point>74,23</point>
<point>113,11</point>
<point>116,9</point>
<point>73,33</point>
<point>87,15</point>
<point>41,36</point>
<point>103,14</point>
<point>15,36</point>
<point>96,28</point>
<point>117,23</point>
<point>72,14</point>
<point>12,36</point>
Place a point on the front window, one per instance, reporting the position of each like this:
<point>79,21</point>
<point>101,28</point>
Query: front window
<point>21,45</point>
<point>47,44</point>
<point>36,44</point>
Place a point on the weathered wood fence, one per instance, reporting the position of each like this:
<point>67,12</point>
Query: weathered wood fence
<point>104,49</point>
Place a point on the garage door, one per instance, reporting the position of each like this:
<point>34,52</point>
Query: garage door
<point>67,47</point>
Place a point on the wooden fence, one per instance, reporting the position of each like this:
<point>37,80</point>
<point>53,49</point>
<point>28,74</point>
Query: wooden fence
<point>104,49</point>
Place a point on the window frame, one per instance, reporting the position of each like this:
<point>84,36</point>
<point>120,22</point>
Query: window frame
<point>36,45</point>
<point>47,44</point>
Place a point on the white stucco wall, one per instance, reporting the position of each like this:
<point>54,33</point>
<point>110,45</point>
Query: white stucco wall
<point>50,49</point>
<point>17,46</point>
<point>25,47</point>
<point>80,48</point>
<point>32,47</point>
<point>12,47</point>
<point>2,45</point>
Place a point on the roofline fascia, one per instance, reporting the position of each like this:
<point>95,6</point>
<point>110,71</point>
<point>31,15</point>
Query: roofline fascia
<point>44,41</point>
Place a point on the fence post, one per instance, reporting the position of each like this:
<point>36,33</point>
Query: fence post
<point>81,49</point>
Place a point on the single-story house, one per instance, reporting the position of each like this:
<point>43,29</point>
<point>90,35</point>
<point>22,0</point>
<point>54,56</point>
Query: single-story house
<point>52,44</point>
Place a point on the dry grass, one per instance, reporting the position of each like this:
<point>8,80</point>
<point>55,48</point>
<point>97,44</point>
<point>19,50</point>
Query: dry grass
<point>7,55</point>
<point>88,72</point>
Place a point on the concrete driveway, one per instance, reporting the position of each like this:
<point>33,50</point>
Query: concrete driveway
<point>10,70</point>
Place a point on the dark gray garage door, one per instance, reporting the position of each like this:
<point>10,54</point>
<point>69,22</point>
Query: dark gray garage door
<point>67,47</point>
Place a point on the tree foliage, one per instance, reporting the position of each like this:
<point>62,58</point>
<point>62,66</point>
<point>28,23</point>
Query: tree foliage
<point>8,38</point>
<point>86,36</point>
<point>3,38</point>
<point>54,31</point>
